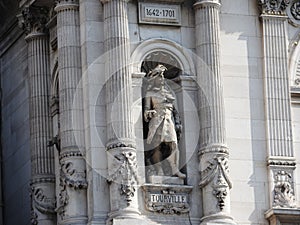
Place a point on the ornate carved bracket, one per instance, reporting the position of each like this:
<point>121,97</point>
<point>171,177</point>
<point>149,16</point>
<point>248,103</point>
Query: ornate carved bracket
<point>274,7</point>
<point>124,171</point>
<point>283,190</point>
<point>217,173</point>
<point>34,19</point>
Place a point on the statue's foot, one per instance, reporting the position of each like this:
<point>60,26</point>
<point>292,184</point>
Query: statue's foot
<point>180,175</point>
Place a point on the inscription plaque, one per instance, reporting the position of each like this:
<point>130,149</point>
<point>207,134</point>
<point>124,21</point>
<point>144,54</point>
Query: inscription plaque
<point>150,13</point>
<point>167,199</point>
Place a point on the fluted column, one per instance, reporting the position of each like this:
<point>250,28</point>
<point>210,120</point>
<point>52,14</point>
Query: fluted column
<point>213,154</point>
<point>72,202</point>
<point>281,161</point>
<point>120,145</point>
<point>33,19</point>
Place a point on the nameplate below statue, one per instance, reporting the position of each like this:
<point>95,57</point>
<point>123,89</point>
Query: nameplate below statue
<point>167,199</point>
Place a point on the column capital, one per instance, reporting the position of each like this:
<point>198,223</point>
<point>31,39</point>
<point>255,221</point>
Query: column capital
<point>273,7</point>
<point>33,20</point>
<point>106,1</point>
<point>201,3</point>
<point>63,5</point>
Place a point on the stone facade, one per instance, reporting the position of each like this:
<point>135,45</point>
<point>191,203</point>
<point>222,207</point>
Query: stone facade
<point>75,76</point>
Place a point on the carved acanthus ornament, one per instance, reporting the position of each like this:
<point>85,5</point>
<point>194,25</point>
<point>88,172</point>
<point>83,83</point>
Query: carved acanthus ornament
<point>33,19</point>
<point>124,171</point>
<point>283,190</point>
<point>274,7</point>
<point>216,173</point>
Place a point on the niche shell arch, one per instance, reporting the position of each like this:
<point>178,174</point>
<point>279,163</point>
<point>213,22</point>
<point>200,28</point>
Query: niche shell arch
<point>180,54</point>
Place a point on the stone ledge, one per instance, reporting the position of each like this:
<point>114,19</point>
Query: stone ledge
<point>283,215</point>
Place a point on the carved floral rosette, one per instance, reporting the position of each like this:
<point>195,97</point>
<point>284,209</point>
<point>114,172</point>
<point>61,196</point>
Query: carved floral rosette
<point>274,7</point>
<point>167,199</point>
<point>123,170</point>
<point>293,12</point>
<point>216,174</point>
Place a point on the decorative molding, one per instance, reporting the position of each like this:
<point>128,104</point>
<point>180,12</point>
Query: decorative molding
<point>214,148</point>
<point>70,154</point>
<point>124,170</point>
<point>120,144</point>
<point>34,19</point>
<point>283,190</point>
<point>274,7</point>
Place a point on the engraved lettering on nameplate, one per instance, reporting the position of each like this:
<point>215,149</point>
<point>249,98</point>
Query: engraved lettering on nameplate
<point>163,14</point>
<point>167,200</point>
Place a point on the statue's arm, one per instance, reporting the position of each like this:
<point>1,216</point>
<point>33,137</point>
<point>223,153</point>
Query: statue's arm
<point>178,126</point>
<point>148,112</point>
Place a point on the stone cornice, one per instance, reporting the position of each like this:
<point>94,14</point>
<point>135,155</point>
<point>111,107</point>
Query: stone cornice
<point>273,7</point>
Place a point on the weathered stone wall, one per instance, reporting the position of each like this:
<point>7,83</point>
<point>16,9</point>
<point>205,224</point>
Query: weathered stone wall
<point>15,133</point>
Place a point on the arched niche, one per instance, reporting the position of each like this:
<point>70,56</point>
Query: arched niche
<point>180,75</point>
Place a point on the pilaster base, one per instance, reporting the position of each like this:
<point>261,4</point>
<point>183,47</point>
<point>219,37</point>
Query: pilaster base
<point>217,219</point>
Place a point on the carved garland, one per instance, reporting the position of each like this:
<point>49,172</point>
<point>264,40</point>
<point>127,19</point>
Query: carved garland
<point>217,172</point>
<point>41,203</point>
<point>274,7</point>
<point>69,177</point>
<point>125,168</point>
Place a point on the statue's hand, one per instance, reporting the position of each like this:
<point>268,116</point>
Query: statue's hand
<point>149,114</point>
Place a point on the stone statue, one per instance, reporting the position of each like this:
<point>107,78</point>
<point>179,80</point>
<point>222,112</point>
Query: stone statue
<point>163,122</point>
